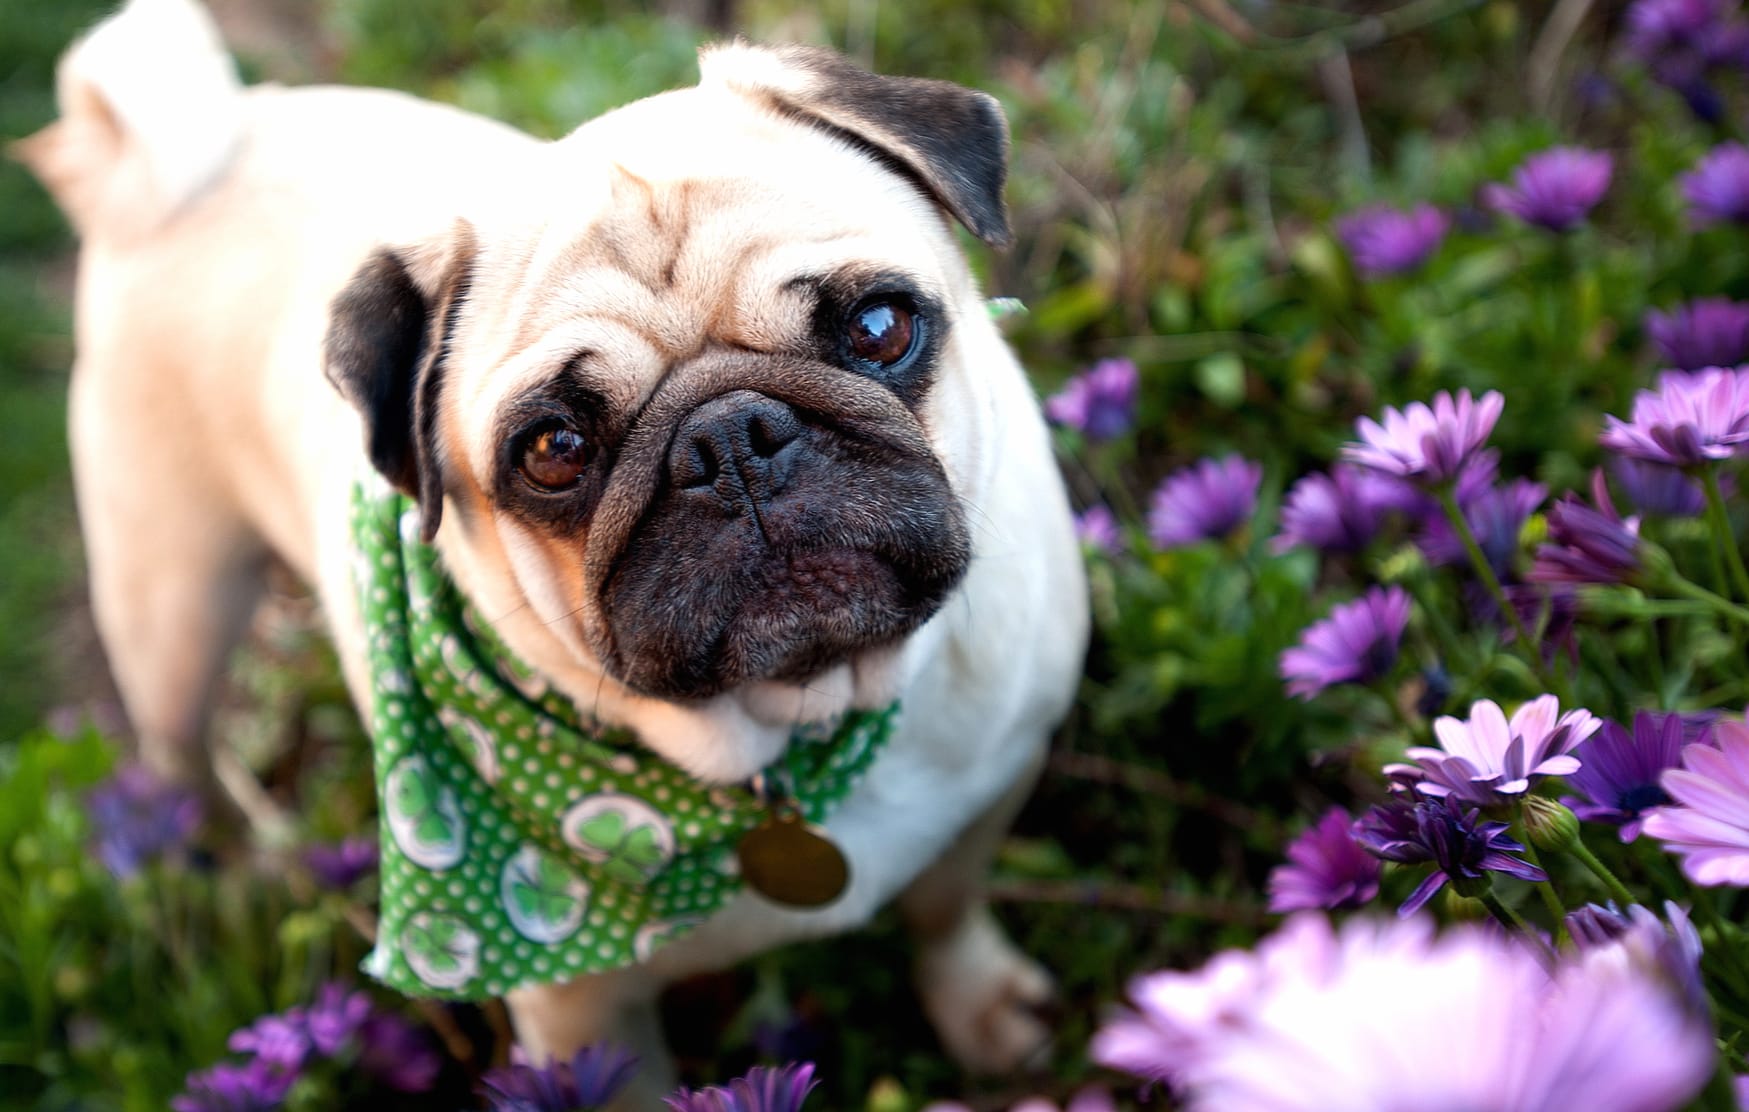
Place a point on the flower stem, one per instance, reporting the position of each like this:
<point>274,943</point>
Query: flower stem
<point>1617,890</point>
<point>1485,571</point>
<point>1722,532</point>
<point>1720,605</point>
<point>1551,899</point>
<point>1510,920</point>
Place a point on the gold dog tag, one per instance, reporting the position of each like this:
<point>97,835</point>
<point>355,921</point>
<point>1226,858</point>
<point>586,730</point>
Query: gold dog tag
<point>790,861</point>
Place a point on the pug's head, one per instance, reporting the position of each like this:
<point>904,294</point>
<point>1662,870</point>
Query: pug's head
<point>691,385</point>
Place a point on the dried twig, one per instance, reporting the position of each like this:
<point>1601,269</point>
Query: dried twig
<point>1551,42</point>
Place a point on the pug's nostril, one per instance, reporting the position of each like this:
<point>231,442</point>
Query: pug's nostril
<point>770,428</point>
<point>695,462</point>
<point>741,435</point>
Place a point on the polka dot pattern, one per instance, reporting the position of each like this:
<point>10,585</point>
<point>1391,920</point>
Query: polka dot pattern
<point>509,861</point>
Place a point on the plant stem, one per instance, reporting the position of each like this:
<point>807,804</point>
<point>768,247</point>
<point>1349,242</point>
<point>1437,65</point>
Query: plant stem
<point>1720,605</point>
<point>1617,890</point>
<point>1551,899</point>
<point>1722,532</point>
<point>1485,571</point>
<point>1510,920</point>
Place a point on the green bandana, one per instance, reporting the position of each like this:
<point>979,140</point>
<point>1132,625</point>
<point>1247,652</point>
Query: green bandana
<point>520,844</point>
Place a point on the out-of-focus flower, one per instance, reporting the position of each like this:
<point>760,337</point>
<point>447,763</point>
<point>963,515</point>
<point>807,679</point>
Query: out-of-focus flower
<point>1090,1099</point>
<point>1326,868</point>
<point>590,1078</point>
<point>335,1018</point>
<point>1383,240</point>
<point>1099,402</point>
<point>1708,824</point>
<point>1693,417</point>
<point>397,1053</point>
<point>1489,760</point>
<point>1553,607</point>
<point>1619,771</point>
<point>1717,189</point>
<point>1205,501</point>
<point>1683,41</point>
<point>764,1089</point>
<point>1640,937</point>
<point>1554,189</point>
<point>1341,511</point>
<point>139,818</point>
<point>1357,643</point>
<point>1588,545</point>
<point>1706,332</point>
<point>278,1040</point>
<point>1325,1018</point>
<point>1444,833</point>
<point>1658,489</point>
<point>337,866</point>
<point>1096,527</point>
<point>1428,445</point>
<point>256,1087</point>
<point>1495,516</point>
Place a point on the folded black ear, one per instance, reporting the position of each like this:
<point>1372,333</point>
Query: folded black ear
<point>388,335</point>
<point>950,140</point>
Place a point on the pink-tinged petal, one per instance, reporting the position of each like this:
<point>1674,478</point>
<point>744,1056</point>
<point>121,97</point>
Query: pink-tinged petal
<point>1558,766</point>
<point>1713,867</point>
<point>1512,787</point>
<point>1715,799</point>
<point>1535,719</point>
<point>1679,826</point>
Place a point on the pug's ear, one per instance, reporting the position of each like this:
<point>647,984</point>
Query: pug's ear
<point>950,140</point>
<point>388,337</point>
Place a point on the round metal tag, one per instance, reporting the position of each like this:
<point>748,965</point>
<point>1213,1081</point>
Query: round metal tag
<point>789,861</point>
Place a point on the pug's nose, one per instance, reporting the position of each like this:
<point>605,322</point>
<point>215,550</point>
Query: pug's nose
<point>737,446</point>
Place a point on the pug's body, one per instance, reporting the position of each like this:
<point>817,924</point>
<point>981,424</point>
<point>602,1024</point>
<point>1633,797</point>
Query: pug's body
<point>701,406</point>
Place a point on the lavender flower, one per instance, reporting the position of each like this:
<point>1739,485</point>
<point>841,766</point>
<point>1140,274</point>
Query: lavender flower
<point>1100,402</point>
<point>1693,417</point>
<point>1588,545</point>
<point>1430,446</point>
<point>1205,501</point>
<point>1706,332</point>
<point>1619,771</point>
<point>339,865</point>
<point>1357,643</point>
<point>1488,760</point>
<point>1495,515</point>
<point>282,1041</point>
<point>1708,824</point>
<point>1657,489</point>
<point>1444,833</point>
<point>589,1079</point>
<point>1640,937</point>
<point>764,1089</point>
<point>1383,241</point>
<point>1341,511</point>
<point>139,818</point>
<point>1326,869</point>
<point>397,1053</point>
<point>1096,528</point>
<point>335,1018</point>
<point>1681,41</point>
<point>1554,189</point>
<point>256,1087</point>
<point>1717,189</point>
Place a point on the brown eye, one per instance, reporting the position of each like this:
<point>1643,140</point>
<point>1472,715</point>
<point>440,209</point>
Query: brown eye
<point>881,332</point>
<point>554,458</point>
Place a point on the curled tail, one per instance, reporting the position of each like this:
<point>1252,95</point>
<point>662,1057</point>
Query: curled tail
<point>151,113</point>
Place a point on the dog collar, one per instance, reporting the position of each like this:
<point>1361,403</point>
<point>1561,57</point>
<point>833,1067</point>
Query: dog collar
<point>522,844</point>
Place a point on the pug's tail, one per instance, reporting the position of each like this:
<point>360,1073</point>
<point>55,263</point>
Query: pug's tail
<point>151,114</point>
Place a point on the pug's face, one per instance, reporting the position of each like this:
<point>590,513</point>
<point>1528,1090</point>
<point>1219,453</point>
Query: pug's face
<point>687,373</point>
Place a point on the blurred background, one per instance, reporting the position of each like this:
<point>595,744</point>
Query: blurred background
<point>1178,168</point>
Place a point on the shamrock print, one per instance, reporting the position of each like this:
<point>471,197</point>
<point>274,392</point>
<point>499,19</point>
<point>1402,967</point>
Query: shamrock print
<point>631,840</point>
<point>441,950</point>
<point>543,898</point>
<point>475,740</point>
<point>423,815</point>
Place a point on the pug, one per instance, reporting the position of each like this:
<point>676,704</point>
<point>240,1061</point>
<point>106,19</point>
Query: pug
<point>698,416</point>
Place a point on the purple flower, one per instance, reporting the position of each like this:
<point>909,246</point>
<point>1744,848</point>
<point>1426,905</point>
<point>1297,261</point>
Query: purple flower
<point>1326,869</point>
<point>256,1087</point>
<point>1495,515</point>
<point>339,865</point>
<point>1444,833</point>
<point>1717,189</point>
<point>397,1053</point>
<point>764,1089</point>
<point>1489,760</point>
<point>335,1018</point>
<point>1588,545</point>
<point>1554,189</point>
<point>1100,402</point>
<point>1657,489</point>
<point>1382,240</point>
<point>1430,446</point>
<point>1096,528</point>
<point>1619,771</point>
<point>1205,501</point>
<point>1680,41</point>
<point>1706,332</point>
<point>590,1078</point>
<point>1357,643</point>
<point>282,1041</point>
<point>1693,417</point>
<point>1708,825</point>
<point>139,818</point>
<point>1641,937</point>
<point>1341,511</point>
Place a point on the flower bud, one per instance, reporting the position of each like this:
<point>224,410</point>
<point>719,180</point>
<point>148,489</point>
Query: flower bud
<point>1549,825</point>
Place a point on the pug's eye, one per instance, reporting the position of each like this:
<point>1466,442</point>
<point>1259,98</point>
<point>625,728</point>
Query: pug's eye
<point>882,332</point>
<point>553,458</point>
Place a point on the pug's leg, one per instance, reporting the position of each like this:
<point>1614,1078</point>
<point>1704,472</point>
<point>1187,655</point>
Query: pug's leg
<point>555,1021</point>
<point>982,994</point>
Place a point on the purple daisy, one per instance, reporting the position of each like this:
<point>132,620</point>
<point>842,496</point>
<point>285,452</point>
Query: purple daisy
<point>1444,833</point>
<point>256,1087</point>
<point>1618,777</point>
<point>1657,489</point>
<point>335,1018</point>
<point>1706,332</point>
<point>1100,402</point>
<point>1429,445</point>
<point>139,818</point>
<point>1554,189</point>
<point>397,1053</point>
<point>1326,868</point>
<point>764,1089</point>
<point>1495,515</point>
<point>1588,545</point>
<point>282,1041</point>
<point>1341,511</point>
<point>1357,643</point>
<point>1384,241</point>
<point>588,1079</point>
<point>1205,501</point>
<point>1642,938</point>
<point>1708,823</point>
<point>1489,759</point>
<point>1096,528</point>
<point>1717,189</point>
<point>1693,417</point>
<point>337,866</point>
